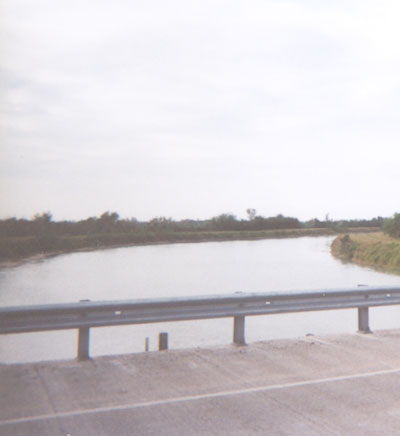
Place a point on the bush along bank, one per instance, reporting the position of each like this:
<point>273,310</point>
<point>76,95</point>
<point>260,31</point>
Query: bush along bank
<point>375,250</point>
<point>22,239</point>
<point>19,248</point>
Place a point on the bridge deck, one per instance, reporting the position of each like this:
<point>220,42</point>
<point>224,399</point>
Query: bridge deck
<point>335,385</point>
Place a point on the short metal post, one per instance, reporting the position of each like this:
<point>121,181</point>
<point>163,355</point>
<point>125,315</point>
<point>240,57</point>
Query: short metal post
<point>83,343</point>
<point>163,341</point>
<point>147,345</point>
<point>83,340</point>
<point>363,320</point>
<point>238,330</point>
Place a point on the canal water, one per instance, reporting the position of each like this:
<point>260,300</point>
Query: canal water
<point>271,265</point>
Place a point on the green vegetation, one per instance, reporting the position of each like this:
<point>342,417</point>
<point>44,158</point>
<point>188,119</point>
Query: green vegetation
<point>377,250</point>
<point>21,238</point>
<point>391,226</point>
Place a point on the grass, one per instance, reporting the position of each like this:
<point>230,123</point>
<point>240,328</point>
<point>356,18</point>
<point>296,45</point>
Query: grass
<point>375,249</point>
<point>16,249</point>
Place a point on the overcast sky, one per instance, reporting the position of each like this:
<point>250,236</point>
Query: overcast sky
<point>188,109</point>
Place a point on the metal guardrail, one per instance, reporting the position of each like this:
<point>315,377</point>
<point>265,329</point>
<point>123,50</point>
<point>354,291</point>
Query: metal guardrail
<point>87,314</point>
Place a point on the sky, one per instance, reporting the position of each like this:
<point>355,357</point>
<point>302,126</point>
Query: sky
<point>190,109</point>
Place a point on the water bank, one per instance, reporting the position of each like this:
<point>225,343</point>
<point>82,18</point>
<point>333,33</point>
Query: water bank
<point>375,250</point>
<point>15,251</point>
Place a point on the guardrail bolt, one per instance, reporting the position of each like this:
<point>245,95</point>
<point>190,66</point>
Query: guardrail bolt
<point>163,341</point>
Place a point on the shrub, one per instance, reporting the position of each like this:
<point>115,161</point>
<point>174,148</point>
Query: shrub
<point>391,226</point>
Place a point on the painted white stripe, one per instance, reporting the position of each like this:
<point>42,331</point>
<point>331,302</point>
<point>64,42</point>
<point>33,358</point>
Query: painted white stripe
<point>198,397</point>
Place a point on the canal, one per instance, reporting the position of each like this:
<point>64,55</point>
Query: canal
<point>181,270</point>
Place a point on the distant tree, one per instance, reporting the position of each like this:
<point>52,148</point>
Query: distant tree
<point>316,223</point>
<point>161,224</point>
<point>109,217</point>
<point>107,221</point>
<point>281,222</point>
<point>45,217</point>
<point>42,224</point>
<point>225,221</point>
<point>391,226</point>
<point>251,214</point>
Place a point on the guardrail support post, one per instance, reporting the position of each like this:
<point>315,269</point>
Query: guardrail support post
<point>83,340</point>
<point>83,343</point>
<point>363,320</point>
<point>163,341</point>
<point>238,330</point>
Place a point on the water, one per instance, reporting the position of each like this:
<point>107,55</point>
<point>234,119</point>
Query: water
<point>183,270</point>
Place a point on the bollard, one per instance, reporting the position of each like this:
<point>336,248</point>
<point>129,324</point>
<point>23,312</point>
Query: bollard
<point>83,340</point>
<point>83,343</point>
<point>363,320</point>
<point>163,341</point>
<point>238,330</point>
<point>147,345</point>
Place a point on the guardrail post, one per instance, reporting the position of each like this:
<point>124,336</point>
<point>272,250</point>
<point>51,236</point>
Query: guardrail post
<point>83,343</point>
<point>363,320</point>
<point>163,341</point>
<point>83,340</point>
<point>238,330</point>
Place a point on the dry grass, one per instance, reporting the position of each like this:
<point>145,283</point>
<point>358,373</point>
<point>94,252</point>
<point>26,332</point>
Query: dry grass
<point>376,250</point>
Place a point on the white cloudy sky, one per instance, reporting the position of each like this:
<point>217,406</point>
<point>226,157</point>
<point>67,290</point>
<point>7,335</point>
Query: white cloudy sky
<point>188,109</point>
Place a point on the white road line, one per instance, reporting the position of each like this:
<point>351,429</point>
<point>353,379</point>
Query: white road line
<point>197,397</point>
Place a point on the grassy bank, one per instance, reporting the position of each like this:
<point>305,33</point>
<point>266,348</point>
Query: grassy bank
<point>375,249</point>
<point>16,249</point>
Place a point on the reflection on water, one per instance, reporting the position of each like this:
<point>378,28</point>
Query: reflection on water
<point>179,270</point>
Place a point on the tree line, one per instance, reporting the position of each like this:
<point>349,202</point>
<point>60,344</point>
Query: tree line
<point>21,238</point>
<point>111,223</point>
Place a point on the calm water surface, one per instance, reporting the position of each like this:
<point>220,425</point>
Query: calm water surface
<point>183,270</point>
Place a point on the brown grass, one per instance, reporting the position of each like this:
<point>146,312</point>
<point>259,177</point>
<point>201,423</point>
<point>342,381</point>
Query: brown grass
<point>376,250</point>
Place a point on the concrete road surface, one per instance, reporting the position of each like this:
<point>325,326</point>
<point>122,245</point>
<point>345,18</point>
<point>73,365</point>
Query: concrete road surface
<point>336,385</point>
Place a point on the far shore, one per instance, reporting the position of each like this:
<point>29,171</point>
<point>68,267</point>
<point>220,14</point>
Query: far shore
<point>222,236</point>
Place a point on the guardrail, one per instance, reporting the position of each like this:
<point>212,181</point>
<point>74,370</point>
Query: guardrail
<point>87,314</point>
